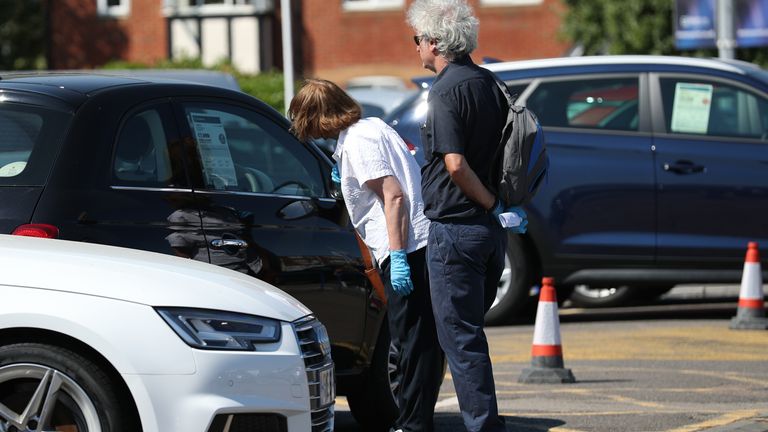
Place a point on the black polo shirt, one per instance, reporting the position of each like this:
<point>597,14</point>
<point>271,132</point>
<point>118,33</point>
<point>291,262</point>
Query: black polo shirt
<point>467,113</point>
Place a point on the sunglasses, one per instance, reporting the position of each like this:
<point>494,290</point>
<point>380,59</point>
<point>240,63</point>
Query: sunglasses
<point>417,39</point>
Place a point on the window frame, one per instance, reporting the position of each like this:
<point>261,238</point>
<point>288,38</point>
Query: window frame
<point>121,10</point>
<point>195,166</point>
<point>371,5</point>
<point>179,179</point>
<point>644,117</point>
<point>226,8</point>
<point>660,116</point>
<point>510,3</point>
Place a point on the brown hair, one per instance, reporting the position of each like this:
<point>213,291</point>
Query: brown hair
<point>321,109</point>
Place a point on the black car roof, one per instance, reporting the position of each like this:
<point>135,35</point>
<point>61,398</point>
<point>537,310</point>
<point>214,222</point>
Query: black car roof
<point>73,88</point>
<point>75,82</point>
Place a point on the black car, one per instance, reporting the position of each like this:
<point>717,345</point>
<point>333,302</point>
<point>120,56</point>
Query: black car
<point>199,172</point>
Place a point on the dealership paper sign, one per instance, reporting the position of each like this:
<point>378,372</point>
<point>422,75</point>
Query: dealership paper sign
<point>218,167</point>
<point>690,112</point>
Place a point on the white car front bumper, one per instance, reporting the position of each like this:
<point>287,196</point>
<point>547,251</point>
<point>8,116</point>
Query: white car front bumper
<point>289,388</point>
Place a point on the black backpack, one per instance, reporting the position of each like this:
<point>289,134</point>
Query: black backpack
<point>522,155</point>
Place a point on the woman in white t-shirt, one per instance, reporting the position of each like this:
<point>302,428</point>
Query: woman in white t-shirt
<point>381,184</point>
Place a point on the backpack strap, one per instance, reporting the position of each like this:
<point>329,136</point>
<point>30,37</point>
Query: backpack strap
<point>495,172</point>
<point>504,89</point>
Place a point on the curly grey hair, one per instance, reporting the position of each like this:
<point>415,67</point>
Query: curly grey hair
<point>451,23</point>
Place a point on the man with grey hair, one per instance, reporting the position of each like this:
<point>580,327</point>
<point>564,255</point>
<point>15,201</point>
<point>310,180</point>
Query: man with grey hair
<point>466,244</point>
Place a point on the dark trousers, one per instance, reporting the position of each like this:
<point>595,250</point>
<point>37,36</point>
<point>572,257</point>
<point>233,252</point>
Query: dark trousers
<point>465,261</point>
<point>412,328</point>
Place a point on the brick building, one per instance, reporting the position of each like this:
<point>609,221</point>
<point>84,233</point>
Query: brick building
<point>90,33</point>
<point>346,38</point>
<point>334,39</point>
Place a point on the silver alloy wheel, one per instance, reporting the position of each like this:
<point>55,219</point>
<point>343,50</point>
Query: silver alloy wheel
<point>51,389</point>
<point>392,372</point>
<point>504,283</point>
<point>595,293</point>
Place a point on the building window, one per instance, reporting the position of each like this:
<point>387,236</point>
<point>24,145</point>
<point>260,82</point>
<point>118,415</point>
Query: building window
<point>510,2</point>
<point>367,5</point>
<point>113,8</point>
<point>197,3</point>
<point>216,7</point>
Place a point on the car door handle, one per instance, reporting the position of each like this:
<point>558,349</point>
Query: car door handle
<point>684,167</point>
<point>232,243</point>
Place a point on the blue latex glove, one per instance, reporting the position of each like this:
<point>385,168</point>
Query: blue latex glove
<point>336,175</point>
<point>400,272</point>
<point>523,227</point>
<point>498,209</point>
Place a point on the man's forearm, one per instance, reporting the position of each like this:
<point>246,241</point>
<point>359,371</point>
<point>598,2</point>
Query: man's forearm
<point>466,179</point>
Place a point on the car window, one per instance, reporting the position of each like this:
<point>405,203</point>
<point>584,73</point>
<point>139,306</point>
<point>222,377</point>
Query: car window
<point>27,136</point>
<point>706,107</point>
<point>242,150</point>
<point>605,103</point>
<point>142,157</point>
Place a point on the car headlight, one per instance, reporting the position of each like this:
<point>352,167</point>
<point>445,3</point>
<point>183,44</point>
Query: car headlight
<point>218,330</point>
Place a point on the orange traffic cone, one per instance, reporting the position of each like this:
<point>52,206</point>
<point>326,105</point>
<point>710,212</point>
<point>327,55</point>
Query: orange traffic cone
<point>547,353</point>
<point>751,312</point>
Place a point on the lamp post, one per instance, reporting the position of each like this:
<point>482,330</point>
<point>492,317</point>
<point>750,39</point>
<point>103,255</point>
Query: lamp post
<point>285,19</point>
<point>726,40</point>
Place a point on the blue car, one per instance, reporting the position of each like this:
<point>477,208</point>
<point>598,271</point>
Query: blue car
<point>658,175</point>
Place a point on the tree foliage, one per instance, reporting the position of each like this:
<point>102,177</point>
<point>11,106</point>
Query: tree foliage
<point>267,86</point>
<point>22,34</point>
<point>633,27</point>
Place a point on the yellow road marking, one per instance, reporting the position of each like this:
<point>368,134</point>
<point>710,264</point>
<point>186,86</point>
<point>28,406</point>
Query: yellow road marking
<point>447,402</point>
<point>341,402</point>
<point>588,414</point>
<point>632,401</point>
<point>602,390</point>
<point>723,420</point>
<point>596,393</point>
<point>704,342</point>
<point>562,429</point>
<point>732,376</point>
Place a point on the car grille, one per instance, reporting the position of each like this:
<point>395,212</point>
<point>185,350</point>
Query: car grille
<point>248,423</point>
<point>316,351</point>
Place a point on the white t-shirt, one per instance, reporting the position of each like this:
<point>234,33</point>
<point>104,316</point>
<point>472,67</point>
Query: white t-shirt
<point>368,150</point>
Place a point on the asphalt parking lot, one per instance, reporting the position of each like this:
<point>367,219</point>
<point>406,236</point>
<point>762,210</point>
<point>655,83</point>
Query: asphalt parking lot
<point>646,370</point>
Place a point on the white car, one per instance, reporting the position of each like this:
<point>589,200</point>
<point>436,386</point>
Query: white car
<point>104,339</point>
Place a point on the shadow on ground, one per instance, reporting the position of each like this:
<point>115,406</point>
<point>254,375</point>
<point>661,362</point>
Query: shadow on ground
<point>451,422</point>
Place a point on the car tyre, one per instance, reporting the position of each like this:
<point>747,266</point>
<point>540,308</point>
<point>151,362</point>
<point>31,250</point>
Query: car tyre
<point>587,296</point>
<point>373,404</point>
<point>513,296</point>
<point>76,394</point>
